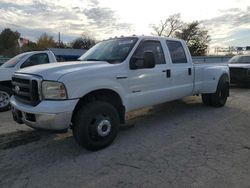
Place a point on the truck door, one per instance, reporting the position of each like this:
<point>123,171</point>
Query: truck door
<point>181,69</point>
<point>147,86</point>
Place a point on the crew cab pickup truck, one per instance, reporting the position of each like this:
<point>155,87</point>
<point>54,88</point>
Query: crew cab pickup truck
<point>18,62</point>
<point>114,77</point>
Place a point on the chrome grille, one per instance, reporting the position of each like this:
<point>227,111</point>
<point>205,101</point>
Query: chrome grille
<point>26,89</point>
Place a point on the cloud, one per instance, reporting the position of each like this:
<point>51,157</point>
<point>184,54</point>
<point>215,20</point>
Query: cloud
<point>226,29</point>
<point>69,18</point>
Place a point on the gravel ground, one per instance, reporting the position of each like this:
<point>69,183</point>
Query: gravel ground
<point>177,144</point>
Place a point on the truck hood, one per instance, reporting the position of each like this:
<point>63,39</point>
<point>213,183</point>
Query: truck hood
<point>54,71</point>
<point>239,65</point>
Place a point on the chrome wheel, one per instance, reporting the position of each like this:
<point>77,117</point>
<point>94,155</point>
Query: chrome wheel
<point>4,99</point>
<point>104,127</point>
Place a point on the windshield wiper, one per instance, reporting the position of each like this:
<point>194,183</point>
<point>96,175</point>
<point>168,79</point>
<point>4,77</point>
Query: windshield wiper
<point>92,59</point>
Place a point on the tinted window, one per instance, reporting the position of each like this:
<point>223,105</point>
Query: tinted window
<point>155,47</point>
<point>240,59</point>
<point>246,59</point>
<point>37,59</point>
<point>177,52</point>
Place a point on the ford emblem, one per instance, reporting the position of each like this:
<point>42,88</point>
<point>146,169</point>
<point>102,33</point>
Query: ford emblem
<point>17,89</point>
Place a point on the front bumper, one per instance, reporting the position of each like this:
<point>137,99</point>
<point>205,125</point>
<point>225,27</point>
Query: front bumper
<point>48,115</point>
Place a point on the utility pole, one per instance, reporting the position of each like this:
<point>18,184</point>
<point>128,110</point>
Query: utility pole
<point>59,38</point>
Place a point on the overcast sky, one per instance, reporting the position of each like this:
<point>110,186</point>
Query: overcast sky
<point>228,21</point>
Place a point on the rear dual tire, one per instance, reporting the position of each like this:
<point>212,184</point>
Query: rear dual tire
<point>219,98</point>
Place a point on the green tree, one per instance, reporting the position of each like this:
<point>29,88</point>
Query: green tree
<point>31,46</point>
<point>197,38</point>
<point>83,42</point>
<point>45,41</point>
<point>9,46</point>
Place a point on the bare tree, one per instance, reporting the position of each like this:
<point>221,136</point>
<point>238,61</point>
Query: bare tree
<point>86,41</point>
<point>168,27</point>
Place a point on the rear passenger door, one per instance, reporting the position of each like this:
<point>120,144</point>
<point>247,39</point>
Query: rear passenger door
<point>181,69</point>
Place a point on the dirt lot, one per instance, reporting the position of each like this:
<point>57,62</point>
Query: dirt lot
<point>177,144</point>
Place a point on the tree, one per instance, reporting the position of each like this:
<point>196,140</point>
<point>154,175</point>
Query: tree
<point>169,26</point>
<point>197,38</point>
<point>9,46</point>
<point>31,46</point>
<point>83,42</point>
<point>45,41</point>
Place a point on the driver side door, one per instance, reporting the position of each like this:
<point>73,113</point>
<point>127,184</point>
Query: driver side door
<point>146,86</point>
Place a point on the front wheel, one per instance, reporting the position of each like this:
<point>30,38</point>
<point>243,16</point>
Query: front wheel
<point>5,94</point>
<point>95,125</point>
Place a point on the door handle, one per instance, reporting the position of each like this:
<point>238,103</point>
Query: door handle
<point>168,73</point>
<point>189,71</point>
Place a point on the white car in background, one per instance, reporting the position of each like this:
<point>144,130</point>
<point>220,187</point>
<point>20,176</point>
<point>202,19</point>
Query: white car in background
<point>20,61</point>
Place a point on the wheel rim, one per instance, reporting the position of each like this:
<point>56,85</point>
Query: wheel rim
<point>100,127</point>
<point>104,127</point>
<point>4,99</point>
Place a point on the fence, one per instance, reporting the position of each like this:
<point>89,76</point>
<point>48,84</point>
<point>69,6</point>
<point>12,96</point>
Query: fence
<point>211,59</point>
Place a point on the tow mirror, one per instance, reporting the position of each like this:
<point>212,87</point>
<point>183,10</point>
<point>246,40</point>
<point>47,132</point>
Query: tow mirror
<point>146,62</point>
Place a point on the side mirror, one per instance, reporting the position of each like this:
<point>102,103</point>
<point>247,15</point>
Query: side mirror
<point>146,62</point>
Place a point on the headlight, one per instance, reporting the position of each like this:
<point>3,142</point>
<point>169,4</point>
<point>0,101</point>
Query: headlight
<point>53,90</point>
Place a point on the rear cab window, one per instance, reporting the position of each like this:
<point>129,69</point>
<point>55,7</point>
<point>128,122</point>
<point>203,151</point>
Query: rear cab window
<point>176,51</point>
<point>36,59</point>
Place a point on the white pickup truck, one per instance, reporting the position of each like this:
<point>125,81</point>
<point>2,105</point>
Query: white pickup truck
<point>18,62</point>
<point>114,77</point>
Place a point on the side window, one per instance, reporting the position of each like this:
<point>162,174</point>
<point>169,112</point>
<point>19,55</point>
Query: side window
<point>177,52</point>
<point>37,59</point>
<point>155,47</point>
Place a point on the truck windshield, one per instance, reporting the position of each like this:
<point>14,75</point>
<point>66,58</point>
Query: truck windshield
<point>13,61</point>
<point>113,50</point>
<point>240,59</point>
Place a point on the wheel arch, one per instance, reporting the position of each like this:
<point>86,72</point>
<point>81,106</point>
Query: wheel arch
<point>6,83</point>
<point>107,95</point>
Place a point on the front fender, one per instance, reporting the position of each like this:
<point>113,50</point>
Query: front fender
<point>78,89</point>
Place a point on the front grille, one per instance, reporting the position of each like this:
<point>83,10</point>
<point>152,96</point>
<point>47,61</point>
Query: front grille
<point>238,72</point>
<point>25,89</point>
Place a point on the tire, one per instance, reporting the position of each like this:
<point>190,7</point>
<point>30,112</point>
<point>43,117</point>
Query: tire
<point>95,125</point>
<point>5,94</point>
<point>206,99</point>
<point>219,98</point>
